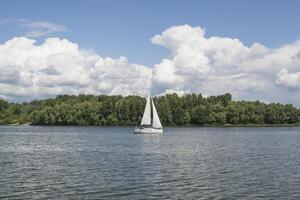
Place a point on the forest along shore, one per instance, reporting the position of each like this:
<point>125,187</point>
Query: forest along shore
<point>173,110</point>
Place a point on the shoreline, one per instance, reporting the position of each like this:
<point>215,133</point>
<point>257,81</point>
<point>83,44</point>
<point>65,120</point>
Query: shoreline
<point>170,126</point>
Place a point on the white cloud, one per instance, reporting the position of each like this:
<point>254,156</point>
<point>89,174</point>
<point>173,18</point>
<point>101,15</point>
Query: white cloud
<point>59,66</point>
<point>172,91</point>
<point>208,65</point>
<point>41,28</point>
<point>215,65</point>
<point>35,29</point>
<point>290,80</point>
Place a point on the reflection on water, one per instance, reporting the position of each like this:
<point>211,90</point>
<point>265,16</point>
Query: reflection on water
<point>183,163</point>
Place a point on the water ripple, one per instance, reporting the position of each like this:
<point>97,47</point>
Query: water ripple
<point>183,163</point>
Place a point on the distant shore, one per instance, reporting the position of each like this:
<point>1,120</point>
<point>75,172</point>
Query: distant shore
<point>173,110</point>
<point>175,126</point>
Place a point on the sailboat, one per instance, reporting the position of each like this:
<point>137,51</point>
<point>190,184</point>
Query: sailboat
<point>149,125</point>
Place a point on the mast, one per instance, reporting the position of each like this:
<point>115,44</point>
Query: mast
<point>156,122</point>
<point>146,120</point>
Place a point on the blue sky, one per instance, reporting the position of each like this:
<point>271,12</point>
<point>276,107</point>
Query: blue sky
<point>115,28</point>
<point>250,49</point>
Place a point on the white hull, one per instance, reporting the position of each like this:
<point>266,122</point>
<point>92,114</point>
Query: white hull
<point>147,130</point>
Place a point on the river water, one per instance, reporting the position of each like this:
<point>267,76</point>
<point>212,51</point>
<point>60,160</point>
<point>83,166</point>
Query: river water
<point>183,163</point>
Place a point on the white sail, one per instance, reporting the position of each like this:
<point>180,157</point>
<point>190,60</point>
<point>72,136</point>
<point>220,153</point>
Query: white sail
<point>156,122</point>
<point>146,120</point>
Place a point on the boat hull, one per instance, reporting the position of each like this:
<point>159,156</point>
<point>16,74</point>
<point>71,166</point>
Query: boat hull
<point>148,130</point>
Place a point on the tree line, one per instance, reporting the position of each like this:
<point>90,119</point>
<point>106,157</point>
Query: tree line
<point>173,110</point>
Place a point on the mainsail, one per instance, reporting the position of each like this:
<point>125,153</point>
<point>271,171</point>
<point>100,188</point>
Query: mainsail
<point>149,125</point>
<point>156,122</point>
<point>146,120</point>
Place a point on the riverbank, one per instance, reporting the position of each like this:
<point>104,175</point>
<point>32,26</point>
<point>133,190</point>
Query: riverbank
<point>183,126</point>
<point>172,110</point>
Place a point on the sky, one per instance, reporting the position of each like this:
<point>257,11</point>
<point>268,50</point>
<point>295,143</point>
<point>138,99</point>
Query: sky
<point>248,48</point>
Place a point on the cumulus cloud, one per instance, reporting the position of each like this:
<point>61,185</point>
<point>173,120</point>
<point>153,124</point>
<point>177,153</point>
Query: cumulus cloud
<point>290,80</point>
<point>59,66</point>
<point>215,65</point>
<point>197,64</point>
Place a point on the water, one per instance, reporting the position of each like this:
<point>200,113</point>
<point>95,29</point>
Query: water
<point>183,163</point>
